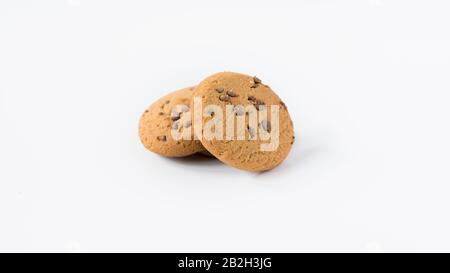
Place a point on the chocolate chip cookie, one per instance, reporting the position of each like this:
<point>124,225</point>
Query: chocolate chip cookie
<point>168,117</point>
<point>242,122</point>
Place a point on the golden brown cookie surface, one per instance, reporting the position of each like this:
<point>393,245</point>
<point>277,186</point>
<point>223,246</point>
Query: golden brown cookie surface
<point>163,116</point>
<point>268,135</point>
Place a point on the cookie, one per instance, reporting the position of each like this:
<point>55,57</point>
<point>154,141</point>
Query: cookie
<point>168,116</point>
<point>256,129</point>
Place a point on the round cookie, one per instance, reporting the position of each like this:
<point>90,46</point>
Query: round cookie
<point>165,115</point>
<point>246,95</point>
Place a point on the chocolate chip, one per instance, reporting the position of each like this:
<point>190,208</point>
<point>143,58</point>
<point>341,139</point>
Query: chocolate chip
<point>161,113</point>
<point>162,138</point>
<point>146,111</point>
<point>175,115</point>
<point>167,102</point>
<point>251,131</point>
<point>175,126</point>
<point>282,104</point>
<point>185,108</point>
<point>187,124</point>
<point>210,112</point>
<point>258,104</point>
<point>219,89</point>
<point>256,82</point>
<point>251,98</point>
<point>224,98</point>
<point>231,93</point>
<point>265,125</point>
<point>239,110</point>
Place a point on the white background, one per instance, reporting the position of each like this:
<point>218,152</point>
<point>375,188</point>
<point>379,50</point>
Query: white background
<point>367,84</point>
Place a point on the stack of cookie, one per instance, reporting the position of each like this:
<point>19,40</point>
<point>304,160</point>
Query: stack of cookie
<point>234,117</point>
